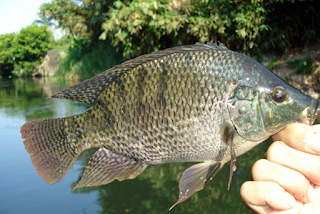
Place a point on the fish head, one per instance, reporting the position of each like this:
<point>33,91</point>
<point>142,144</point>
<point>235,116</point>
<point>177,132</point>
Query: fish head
<point>259,110</point>
<point>282,104</point>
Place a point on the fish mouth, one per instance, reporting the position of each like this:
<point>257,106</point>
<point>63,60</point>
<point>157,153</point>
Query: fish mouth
<point>314,110</point>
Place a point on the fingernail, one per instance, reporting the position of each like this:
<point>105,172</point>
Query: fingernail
<point>313,139</point>
<point>291,201</point>
<point>311,194</point>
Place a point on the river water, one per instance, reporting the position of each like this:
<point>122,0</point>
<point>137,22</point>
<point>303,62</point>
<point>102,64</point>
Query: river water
<point>155,191</point>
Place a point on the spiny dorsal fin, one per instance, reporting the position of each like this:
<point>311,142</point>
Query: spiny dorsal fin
<point>213,45</point>
<point>88,90</point>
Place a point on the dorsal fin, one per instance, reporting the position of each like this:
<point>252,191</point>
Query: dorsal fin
<point>212,45</point>
<point>87,91</point>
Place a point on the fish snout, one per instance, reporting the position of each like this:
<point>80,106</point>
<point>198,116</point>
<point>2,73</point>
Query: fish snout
<point>317,111</point>
<point>314,110</point>
<point>311,112</point>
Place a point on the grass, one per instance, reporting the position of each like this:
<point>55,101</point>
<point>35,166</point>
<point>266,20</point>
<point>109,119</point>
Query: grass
<point>87,62</point>
<point>273,62</point>
<point>303,66</point>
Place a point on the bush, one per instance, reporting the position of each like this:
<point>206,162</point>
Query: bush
<point>6,54</point>
<point>30,45</point>
<point>303,66</point>
<point>88,61</point>
<point>143,26</point>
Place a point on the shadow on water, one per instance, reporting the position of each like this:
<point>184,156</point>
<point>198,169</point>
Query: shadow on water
<point>22,189</point>
<point>155,191</point>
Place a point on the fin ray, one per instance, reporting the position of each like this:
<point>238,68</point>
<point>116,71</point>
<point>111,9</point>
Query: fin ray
<point>51,154</point>
<point>106,166</point>
<point>228,137</point>
<point>195,178</point>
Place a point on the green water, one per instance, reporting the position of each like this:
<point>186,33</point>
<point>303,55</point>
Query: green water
<point>155,191</point>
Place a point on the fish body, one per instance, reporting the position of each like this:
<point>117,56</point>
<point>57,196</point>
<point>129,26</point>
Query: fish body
<point>195,103</point>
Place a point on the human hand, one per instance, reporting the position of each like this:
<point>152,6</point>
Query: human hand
<point>288,181</point>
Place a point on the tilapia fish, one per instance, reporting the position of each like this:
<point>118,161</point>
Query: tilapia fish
<point>195,103</point>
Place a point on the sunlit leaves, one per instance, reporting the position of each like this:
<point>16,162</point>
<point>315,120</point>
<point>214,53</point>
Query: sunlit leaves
<point>141,26</point>
<point>6,52</point>
<point>29,46</point>
<point>136,27</point>
<point>118,4</point>
<point>79,18</point>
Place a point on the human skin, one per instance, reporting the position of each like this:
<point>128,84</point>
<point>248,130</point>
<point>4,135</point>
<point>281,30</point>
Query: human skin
<point>288,180</point>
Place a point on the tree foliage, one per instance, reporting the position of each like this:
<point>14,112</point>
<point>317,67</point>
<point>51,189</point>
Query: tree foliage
<point>291,23</point>
<point>136,27</point>
<point>6,53</point>
<point>147,25</point>
<point>82,19</point>
<point>29,46</point>
<point>141,26</point>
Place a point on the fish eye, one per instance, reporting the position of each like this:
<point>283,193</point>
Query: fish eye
<point>279,94</point>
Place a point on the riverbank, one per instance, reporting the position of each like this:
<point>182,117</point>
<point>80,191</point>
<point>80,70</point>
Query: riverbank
<point>305,82</point>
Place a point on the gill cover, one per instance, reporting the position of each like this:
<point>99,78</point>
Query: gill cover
<point>246,113</point>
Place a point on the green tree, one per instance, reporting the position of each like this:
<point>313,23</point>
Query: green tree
<point>6,53</point>
<point>45,21</point>
<point>82,18</point>
<point>142,26</point>
<point>30,45</point>
<point>136,27</point>
<point>292,23</point>
<point>145,26</point>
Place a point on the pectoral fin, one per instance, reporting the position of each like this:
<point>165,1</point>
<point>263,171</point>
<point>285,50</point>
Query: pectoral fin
<point>233,166</point>
<point>195,178</point>
<point>105,166</point>
<point>228,136</point>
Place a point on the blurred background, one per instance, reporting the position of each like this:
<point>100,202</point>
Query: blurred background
<point>46,46</point>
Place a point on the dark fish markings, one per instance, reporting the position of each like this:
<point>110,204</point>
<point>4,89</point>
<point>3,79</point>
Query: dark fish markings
<point>161,101</point>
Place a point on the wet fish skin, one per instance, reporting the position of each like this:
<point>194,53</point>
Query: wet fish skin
<point>192,103</point>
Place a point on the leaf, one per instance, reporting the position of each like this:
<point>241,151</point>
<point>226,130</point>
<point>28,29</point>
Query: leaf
<point>118,4</point>
<point>251,44</point>
<point>242,33</point>
<point>103,36</point>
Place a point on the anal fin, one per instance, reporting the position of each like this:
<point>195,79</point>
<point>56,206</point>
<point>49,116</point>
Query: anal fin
<point>195,178</point>
<point>106,166</point>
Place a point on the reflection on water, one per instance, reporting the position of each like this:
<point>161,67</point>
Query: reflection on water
<point>155,191</point>
<point>22,190</point>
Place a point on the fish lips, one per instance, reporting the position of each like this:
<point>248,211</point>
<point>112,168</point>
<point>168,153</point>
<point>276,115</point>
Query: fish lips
<point>317,111</point>
<point>312,111</point>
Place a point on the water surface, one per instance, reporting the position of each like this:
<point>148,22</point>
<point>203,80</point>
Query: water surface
<point>155,191</point>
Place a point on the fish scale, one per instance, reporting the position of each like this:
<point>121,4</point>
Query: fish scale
<point>152,109</point>
<point>196,103</point>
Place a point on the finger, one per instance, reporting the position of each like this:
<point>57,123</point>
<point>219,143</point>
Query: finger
<point>300,136</point>
<point>317,127</point>
<point>294,210</point>
<point>307,164</point>
<point>313,206</point>
<point>263,197</point>
<point>292,181</point>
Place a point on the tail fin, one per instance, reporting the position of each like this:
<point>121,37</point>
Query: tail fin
<point>51,154</point>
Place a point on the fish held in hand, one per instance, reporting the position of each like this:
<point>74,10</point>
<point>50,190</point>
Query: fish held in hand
<point>196,103</point>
